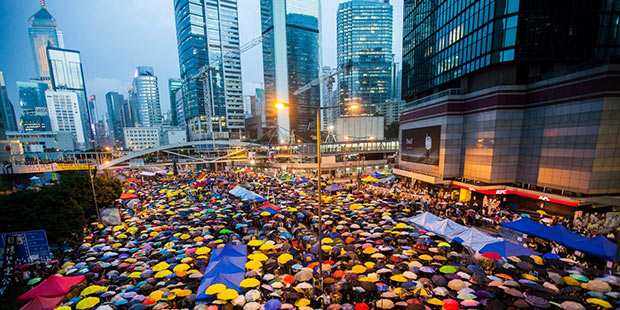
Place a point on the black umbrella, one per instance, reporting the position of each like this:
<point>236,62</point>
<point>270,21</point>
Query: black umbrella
<point>439,280</point>
<point>536,301</point>
<point>495,304</point>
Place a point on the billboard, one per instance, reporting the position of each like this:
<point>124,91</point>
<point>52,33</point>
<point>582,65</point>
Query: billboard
<point>421,145</point>
<point>31,246</point>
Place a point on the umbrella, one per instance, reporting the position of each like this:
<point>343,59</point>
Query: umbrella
<point>447,269</point>
<point>215,289</point>
<point>571,305</point>
<point>227,294</point>
<point>599,302</point>
<point>87,303</point>
<point>384,304</point>
<point>536,301</point>
<point>273,304</point>
<point>250,282</point>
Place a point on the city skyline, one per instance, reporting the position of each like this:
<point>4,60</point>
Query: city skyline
<point>107,71</point>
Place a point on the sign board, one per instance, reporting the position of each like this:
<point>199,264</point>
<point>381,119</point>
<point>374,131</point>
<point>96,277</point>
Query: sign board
<point>8,262</point>
<point>31,247</point>
<point>61,166</point>
<point>136,163</point>
<point>110,216</point>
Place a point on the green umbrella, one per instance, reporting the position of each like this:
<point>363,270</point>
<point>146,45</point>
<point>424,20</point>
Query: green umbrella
<point>579,277</point>
<point>225,231</point>
<point>447,269</point>
<point>34,281</point>
<point>525,215</point>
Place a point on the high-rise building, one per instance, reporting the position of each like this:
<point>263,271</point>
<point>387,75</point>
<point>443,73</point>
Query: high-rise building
<point>114,102</point>
<point>173,86</point>
<point>92,115</point>
<point>7,112</point>
<point>290,30</point>
<point>397,81</point>
<point>146,97</point>
<point>206,31</point>
<point>365,42</point>
<point>65,115</point>
<point>66,75</point>
<point>513,98</point>
<point>34,108</point>
<point>43,33</point>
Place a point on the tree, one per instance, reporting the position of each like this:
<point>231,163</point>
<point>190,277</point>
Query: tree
<point>78,184</point>
<point>391,131</point>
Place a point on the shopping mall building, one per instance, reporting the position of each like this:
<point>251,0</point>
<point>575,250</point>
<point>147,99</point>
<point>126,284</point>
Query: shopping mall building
<point>504,103</point>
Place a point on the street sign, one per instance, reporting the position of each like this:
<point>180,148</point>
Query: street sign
<point>31,247</point>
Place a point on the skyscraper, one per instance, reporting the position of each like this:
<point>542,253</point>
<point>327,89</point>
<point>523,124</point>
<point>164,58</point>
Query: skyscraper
<point>66,74</point>
<point>43,33</point>
<point>34,109</point>
<point>65,115</point>
<point>290,30</point>
<point>7,112</point>
<point>365,41</point>
<point>146,97</point>
<point>173,86</point>
<point>92,114</point>
<point>206,31</point>
<point>114,102</point>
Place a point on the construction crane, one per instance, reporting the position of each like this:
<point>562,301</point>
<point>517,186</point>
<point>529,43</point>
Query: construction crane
<point>204,74</point>
<point>327,77</point>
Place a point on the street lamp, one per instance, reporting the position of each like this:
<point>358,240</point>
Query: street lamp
<point>350,107</point>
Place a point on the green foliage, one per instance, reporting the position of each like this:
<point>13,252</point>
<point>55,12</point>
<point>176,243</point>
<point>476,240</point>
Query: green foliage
<point>391,131</point>
<point>61,210</point>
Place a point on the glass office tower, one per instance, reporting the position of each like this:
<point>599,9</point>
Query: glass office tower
<point>34,108</point>
<point>290,30</point>
<point>206,31</point>
<point>7,112</point>
<point>66,74</point>
<point>43,33</point>
<point>146,97</point>
<point>365,42</point>
<point>173,86</point>
<point>114,102</point>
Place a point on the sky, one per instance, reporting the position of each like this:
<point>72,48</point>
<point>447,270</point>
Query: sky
<point>115,36</point>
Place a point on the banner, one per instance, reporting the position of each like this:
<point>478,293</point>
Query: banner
<point>61,166</point>
<point>8,262</point>
<point>421,145</point>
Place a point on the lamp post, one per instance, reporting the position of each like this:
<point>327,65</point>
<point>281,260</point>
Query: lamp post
<point>350,107</point>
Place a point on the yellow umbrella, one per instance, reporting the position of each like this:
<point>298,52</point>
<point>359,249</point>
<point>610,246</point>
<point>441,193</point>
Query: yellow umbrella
<point>369,250</point>
<point>183,293</point>
<point>266,246</point>
<point>161,266</point>
<point>400,226</point>
<point>301,302</point>
<point>87,303</point>
<point>253,264</point>
<point>434,301</point>
<point>180,267</point>
<point>444,245</point>
<point>135,275</point>
<point>215,289</point>
<point>249,282</point>
<point>203,250</point>
<point>122,236</point>
<point>132,229</point>
<point>63,308</point>
<point>599,302</point>
<point>255,242</point>
<point>258,257</point>
<point>367,279</point>
<point>398,278</point>
<point>284,258</point>
<point>358,269</point>
<point>327,241</point>
<point>265,213</point>
<point>571,281</point>
<point>537,259</point>
<point>163,274</point>
<point>425,257</point>
<point>227,294</point>
<point>529,277</point>
<point>92,290</point>
<point>156,295</point>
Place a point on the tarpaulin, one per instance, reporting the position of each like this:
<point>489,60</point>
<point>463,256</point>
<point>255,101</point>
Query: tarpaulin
<point>243,193</point>
<point>52,287</point>
<point>507,248</point>
<point>599,246</point>
<point>333,188</point>
<point>43,303</point>
<point>226,266</point>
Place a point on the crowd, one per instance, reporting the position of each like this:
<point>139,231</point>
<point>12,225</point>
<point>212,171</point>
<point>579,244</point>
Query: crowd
<point>373,259</point>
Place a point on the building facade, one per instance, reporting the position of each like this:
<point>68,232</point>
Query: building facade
<point>290,30</point>
<point>206,32</point>
<point>42,141</point>
<point>146,97</point>
<point>141,138</point>
<point>7,112</point>
<point>43,33</point>
<point>513,98</point>
<point>114,103</point>
<point>174,85</point>
<point>66,75</point>
<point>65,115</point>
<point>365,42</point>
<point>34,115</point>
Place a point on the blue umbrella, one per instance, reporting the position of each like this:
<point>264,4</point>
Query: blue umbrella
<point>273,304</point>
<point>551,256</point>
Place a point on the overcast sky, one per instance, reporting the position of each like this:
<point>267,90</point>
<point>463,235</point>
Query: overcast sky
<point>115,36</point>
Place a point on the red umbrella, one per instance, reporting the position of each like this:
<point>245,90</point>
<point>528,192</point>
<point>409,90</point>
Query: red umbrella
<point>492,255</point>
<point>362,306</point>
<point>450,304</point>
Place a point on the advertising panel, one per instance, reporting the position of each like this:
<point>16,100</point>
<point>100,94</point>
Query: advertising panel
<point>421,145</point>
